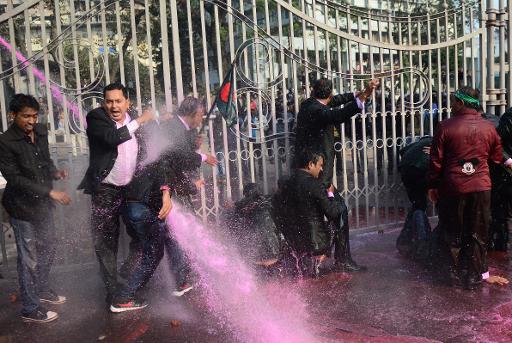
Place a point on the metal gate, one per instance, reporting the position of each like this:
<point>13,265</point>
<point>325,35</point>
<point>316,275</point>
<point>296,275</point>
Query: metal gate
<point>64,51</point>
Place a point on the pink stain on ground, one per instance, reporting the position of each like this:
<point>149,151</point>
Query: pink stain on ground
<point>57,94</point>
<point>233,293</point>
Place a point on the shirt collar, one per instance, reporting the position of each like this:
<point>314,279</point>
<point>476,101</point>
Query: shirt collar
<point>126,120</point>
<point>18,134</point>
<point>184,123</point>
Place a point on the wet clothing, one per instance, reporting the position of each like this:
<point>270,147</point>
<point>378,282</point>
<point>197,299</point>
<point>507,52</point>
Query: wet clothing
<point>250,223</point>
<point>315,132</point>
<point>150,232</point>
<point>461,149</point>
<point>181,155</point>
<point>413,171</point>
<point>415,237</point>
<point>107,199</point>
<point>183,159</point>
<point>104,139</point>
<point>464,220</point>
<point>501,195</point>
<point>315,128</point>
<point>300,206</point>
<point>36,247</point>
<point>29,172</point>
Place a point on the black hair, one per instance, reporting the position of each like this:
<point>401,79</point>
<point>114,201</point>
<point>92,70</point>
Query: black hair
<point>20,101</point>
<point>322,88</point>
<point>189,106</point>
<point>472,92</point>
<point>116,86</point>
<point>306,156</point>
<point>250,190</point>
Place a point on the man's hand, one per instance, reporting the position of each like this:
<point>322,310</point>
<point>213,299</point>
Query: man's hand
<point>427,149</point>
<point>368,90</point>
<point>433,195</point>
<point>498,280</point>
<point>61,174</point>
<point>331,188</point>
<point>211,160</point>
<point>199,183</point>
<point>166,204</point>
<point>147,115</point>
<point>60,197</point>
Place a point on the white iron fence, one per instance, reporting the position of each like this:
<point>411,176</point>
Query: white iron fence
<point>64,51</point>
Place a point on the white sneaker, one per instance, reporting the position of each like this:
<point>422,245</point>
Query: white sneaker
<point>40,316</point>
<point>51,297</point>
<point>181,290</point>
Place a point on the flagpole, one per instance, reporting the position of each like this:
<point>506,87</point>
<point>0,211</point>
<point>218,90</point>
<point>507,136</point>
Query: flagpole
<point>208,115</point>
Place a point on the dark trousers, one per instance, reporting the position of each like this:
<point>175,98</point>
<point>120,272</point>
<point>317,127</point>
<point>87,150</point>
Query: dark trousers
<point>415,184</point>
<point>340,232</point>
<point>179,263</point>
<point>464,223</point>
<point>501,209</point>
<point>35,243</point>
<point>149,231</point>
<point>107,206</point>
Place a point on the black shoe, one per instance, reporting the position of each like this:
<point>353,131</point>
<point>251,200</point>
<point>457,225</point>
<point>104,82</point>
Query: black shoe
<point>40,315</point>
<point>51,297</point>
<point>349,267</point>
<point>128,305</point>
<point>472,283</point>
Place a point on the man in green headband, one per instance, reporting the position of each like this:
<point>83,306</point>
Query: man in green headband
<point>459,181</point>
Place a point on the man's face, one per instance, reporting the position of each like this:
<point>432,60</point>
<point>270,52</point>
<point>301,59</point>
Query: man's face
<point>316,168</point>
<point>26,119</point>
<point>116,105</point>
<point>197,118</point>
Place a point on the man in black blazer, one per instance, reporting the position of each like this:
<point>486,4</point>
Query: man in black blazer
<point>184,159</point>
<point>112,162</point>
<point>317,117</point>
<point>302,203</point>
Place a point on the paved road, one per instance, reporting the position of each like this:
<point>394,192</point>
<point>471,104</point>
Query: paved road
<point>395,301</point>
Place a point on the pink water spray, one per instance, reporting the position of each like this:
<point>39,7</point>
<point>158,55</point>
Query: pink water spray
<point>233,293</point>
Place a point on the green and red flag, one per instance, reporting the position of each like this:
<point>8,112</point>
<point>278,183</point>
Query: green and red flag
<point>225,100</point>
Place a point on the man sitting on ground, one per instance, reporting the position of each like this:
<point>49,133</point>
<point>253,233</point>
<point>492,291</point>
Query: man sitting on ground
<point>303,203</point>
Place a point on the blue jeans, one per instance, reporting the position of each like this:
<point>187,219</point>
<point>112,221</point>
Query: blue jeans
<point>35,243</point>
<point>149,231</point>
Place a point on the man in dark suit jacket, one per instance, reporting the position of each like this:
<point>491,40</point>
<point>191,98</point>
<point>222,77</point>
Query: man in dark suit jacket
<point>302,203</point>
<point>316,120</point>
<point>112,162</point>
<point>183,159</point>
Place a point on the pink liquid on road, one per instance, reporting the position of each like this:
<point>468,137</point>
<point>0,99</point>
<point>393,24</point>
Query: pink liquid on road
<point>233,293</point>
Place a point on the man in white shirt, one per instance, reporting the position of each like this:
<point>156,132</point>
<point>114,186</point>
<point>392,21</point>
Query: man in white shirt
<point>112,162</point>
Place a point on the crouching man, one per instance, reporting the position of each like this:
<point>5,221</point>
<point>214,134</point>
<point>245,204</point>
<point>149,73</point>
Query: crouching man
<point>303,202</point>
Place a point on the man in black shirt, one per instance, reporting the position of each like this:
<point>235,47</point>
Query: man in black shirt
<point>29,199</point>
<point>316,120</point>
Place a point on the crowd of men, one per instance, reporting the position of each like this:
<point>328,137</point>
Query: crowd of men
<point>466,173</point>
<point>137,164</point>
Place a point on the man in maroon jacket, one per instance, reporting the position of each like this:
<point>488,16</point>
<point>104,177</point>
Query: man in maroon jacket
<point>459,177</point>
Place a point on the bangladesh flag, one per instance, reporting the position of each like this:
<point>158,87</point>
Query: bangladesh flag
<point>225,98</point>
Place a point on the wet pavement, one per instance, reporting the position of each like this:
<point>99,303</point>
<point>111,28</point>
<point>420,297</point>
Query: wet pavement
<point>394,301</point>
